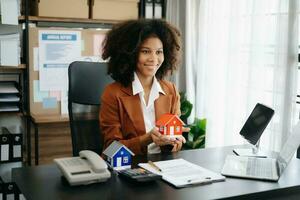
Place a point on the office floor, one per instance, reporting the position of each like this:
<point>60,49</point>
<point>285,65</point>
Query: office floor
<point>54,142</point>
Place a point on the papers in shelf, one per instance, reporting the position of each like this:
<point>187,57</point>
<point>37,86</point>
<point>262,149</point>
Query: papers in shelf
<point>8,108</point>
<point>182,173</point>
<point>8,88</point>
<point>9,98</point>
<point>10,49</point>
<point>10,9</point>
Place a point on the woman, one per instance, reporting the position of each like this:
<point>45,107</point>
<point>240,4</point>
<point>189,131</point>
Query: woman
<point>141,53</point>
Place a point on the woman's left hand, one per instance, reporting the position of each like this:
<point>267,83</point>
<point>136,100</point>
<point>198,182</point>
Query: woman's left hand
<point>178,143</point>
<point>180,140</point>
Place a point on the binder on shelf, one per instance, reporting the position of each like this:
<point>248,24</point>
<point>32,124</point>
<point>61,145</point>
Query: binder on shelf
<point>11,191</point>
<point>1,188</point>
<point>154,9</point>
<point>10,145</point>
<point>149,9</point>
<point>16,147</point>
<point>1,192</point>
<point>158,9</point>
<point>4,148</point>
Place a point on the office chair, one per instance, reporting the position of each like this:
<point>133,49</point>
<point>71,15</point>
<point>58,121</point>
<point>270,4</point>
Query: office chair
<point>87,81</point>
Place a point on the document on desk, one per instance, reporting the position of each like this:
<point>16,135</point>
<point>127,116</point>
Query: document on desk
<point>182,173</point>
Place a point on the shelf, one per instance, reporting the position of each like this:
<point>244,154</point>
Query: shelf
<point>13,113</point>
<point>44,119</point>
<point>67,20</point>
<point>12,68</point>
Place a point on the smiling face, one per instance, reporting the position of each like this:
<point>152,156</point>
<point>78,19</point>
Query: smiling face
<point>150,58</point>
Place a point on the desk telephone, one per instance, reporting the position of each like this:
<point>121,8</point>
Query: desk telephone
<point>88,168</point>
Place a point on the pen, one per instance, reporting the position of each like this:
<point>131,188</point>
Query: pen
<point>201,180</point>
<point>154,165</point>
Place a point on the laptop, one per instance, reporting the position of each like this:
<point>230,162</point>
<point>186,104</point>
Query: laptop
<point>263,168</point>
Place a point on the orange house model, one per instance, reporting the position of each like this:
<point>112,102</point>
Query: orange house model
<point>170,125</point>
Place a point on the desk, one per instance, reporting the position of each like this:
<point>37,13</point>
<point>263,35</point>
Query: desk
<point>36,120</point>
<point>44,182</point>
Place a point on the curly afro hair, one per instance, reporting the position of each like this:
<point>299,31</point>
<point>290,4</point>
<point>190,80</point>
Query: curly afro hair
<point>122,43</point>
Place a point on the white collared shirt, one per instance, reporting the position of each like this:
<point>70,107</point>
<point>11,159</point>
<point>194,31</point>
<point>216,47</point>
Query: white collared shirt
<point>148,110</point>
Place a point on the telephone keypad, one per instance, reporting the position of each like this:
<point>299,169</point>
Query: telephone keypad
<point>72,162</point>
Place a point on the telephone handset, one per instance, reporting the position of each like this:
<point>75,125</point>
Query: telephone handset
<point>88,168</point>
<point>97,164</point>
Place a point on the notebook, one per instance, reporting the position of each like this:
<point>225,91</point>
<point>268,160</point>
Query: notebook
<point>182,173</point>
<point>263,168</point>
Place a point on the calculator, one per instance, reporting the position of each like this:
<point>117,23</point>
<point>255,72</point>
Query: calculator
<point>139,175</point>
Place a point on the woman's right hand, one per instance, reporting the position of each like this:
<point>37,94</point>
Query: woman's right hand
<point>160,139</point>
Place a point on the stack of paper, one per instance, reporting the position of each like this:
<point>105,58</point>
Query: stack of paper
<point>9,108</point>
<point>10,49</point>
<point>182,173</point>
<point>8,88</point>
<point>9,97</point>
<point>10,10</point>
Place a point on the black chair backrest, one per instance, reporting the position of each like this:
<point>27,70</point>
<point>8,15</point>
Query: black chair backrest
<point>87,81</point>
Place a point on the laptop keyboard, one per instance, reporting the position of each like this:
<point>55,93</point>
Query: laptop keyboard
<point>259,167</point>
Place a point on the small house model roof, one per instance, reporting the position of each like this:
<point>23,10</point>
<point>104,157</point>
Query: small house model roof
<point>114,147</point>
<point>166,118</point>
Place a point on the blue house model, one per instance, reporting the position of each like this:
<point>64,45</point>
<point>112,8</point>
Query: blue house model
<point>118,156</point>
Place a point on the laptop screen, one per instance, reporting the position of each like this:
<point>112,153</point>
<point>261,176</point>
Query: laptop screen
<point>256,123</point>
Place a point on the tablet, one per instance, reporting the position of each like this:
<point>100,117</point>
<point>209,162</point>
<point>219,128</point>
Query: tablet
<point>256,123</point>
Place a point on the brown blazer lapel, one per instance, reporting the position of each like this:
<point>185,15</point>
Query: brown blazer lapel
<point>162,105</point>
<point>132,105</point>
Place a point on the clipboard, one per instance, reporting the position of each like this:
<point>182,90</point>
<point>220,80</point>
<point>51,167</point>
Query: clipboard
<point>181,173</point>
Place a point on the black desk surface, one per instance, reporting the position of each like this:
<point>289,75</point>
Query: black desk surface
<point>44,182</point>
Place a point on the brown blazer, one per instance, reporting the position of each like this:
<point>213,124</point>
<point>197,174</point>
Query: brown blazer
<point>121,116</point>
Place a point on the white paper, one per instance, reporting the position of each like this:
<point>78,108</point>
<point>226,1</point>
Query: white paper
<point>4,152</point>
<point>64,102</point>
<point>9,11</point>
<point>97,43</point>
<point>9,52</point>
<point>181,173</point>
<point>8,88</point>
<point>35,59</point>
<point>56,51</point>
<point>9,98</point>
<point>38,95</point>
<point>8,108</point>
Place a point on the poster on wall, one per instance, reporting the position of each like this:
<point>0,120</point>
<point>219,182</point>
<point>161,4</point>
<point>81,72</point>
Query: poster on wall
<point>57,49</point>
